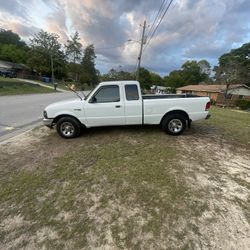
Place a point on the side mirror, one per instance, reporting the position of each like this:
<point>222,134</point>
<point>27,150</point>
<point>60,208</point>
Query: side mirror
<point>93,100</point>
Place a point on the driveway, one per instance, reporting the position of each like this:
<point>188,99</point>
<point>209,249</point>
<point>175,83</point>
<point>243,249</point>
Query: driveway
<point>21,112</point>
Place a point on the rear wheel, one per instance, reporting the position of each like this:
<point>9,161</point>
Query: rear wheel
<point>68,127</point>
<point>174,124</point>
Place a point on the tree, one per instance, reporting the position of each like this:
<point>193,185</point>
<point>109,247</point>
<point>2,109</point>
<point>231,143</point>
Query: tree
<point>89,73</point>
<point>175,79</point>
<point>9,37</point>
<point>12,48</point>
<point>145,78</point>
<point>205,69</point>
<point>117,75</point>
<point>45,47</point>
<point>73,54</point>
<point>191,72</point>
<point>234,66</point>
<point>124,75</point>
<point>13,53</point>
<point>112,75</point>
<point>156,79</point>
<point>73,48</point>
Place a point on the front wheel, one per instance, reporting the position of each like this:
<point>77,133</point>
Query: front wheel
<point>68,127</point>
<point>174,124</point>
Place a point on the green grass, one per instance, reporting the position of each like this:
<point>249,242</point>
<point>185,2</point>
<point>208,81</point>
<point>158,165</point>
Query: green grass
<point>12,86</point>
<point>63,86</point>
<point>59,84</point>
<point>231,124</point>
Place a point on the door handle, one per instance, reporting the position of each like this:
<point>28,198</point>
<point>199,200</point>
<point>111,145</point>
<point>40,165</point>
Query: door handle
<point>118,106</point>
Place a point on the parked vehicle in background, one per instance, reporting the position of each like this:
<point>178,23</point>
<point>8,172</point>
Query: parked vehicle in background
<point>8,73</point>
<point>121,103</point>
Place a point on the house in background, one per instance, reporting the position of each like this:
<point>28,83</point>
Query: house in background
<point>20,70</point>
<point>217,93</point>
<point>155,89</point>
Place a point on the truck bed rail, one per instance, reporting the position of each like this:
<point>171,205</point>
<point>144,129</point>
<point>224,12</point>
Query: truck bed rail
<point>169,96</point>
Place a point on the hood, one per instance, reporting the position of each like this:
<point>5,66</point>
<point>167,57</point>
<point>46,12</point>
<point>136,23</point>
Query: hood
<point>66,103</point>
<point>70,107</point>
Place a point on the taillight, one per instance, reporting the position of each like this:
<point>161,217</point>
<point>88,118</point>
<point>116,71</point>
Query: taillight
<point>208,105</point>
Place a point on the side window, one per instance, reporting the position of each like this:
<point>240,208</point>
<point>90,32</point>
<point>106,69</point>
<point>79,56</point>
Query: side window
<point>131,92</point>
<point>108,94</point>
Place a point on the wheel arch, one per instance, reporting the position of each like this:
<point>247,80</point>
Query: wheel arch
<point>57,118</point>
<point>176,111</point>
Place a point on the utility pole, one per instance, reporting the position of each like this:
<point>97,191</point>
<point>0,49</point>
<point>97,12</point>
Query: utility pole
<point>140,54</point>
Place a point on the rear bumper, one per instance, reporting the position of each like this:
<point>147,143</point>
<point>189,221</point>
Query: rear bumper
<point>208,116</point>
<point>48,122</point>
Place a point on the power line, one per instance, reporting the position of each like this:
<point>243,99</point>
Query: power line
<point>156,17</point>
<point>158,23</point>
<point>152,35</point>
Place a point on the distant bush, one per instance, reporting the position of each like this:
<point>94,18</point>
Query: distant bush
<point>213,102</point>
<point>243,104</point>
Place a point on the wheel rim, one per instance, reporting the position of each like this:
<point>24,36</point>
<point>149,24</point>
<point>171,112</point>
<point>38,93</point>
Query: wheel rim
<point>67,129</point>
<point>175,126</point>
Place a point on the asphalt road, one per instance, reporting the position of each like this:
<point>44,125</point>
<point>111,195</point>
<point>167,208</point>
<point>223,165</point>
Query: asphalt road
<point>21,112</point>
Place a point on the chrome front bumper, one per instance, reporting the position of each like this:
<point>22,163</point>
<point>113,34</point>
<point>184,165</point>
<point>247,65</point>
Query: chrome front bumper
<point>48,122</point>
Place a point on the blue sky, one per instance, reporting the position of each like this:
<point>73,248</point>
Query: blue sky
<point>201,29</point>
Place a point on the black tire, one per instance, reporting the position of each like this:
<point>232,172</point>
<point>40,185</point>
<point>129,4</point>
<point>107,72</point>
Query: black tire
<point>68,127</point>
<point>174,124</point>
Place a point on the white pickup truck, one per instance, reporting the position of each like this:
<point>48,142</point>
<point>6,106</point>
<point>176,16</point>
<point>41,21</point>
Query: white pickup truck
<point>121,103</point>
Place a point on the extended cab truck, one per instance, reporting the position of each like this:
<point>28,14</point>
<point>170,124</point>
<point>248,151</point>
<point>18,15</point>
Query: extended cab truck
<point>121,103</point>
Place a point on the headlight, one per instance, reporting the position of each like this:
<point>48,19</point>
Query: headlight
<point>45,114</point>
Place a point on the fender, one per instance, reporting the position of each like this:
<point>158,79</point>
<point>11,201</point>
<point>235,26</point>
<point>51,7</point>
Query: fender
<point>60,114</point>
<point>176,111</point>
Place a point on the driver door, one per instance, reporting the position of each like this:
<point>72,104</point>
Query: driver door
<point>105,108</point>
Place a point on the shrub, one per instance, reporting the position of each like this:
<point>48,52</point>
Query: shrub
<point>243,104</point>
<point>213,102</point>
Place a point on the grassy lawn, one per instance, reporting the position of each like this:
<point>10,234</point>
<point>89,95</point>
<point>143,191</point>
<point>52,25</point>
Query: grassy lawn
<point>232,124</point>
<point>12,86</point>
<point>128,188</point>
<point>59,84</point>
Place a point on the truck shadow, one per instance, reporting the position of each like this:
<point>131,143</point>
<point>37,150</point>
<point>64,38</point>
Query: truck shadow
<point>132,129</point>
<point>196,129</point>
<point>202,129</point>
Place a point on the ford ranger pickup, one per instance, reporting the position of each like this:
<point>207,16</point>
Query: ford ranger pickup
<point>121,103</point>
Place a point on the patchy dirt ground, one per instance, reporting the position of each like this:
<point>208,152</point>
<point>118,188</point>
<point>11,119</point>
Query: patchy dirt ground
<point>125,188</point>
<point>221,173</point>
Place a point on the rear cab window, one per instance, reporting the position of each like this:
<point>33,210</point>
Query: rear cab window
<point>131,92</point>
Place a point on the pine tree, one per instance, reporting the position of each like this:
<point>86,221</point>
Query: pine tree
<point>73,54</point>
<point>88,71</point>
